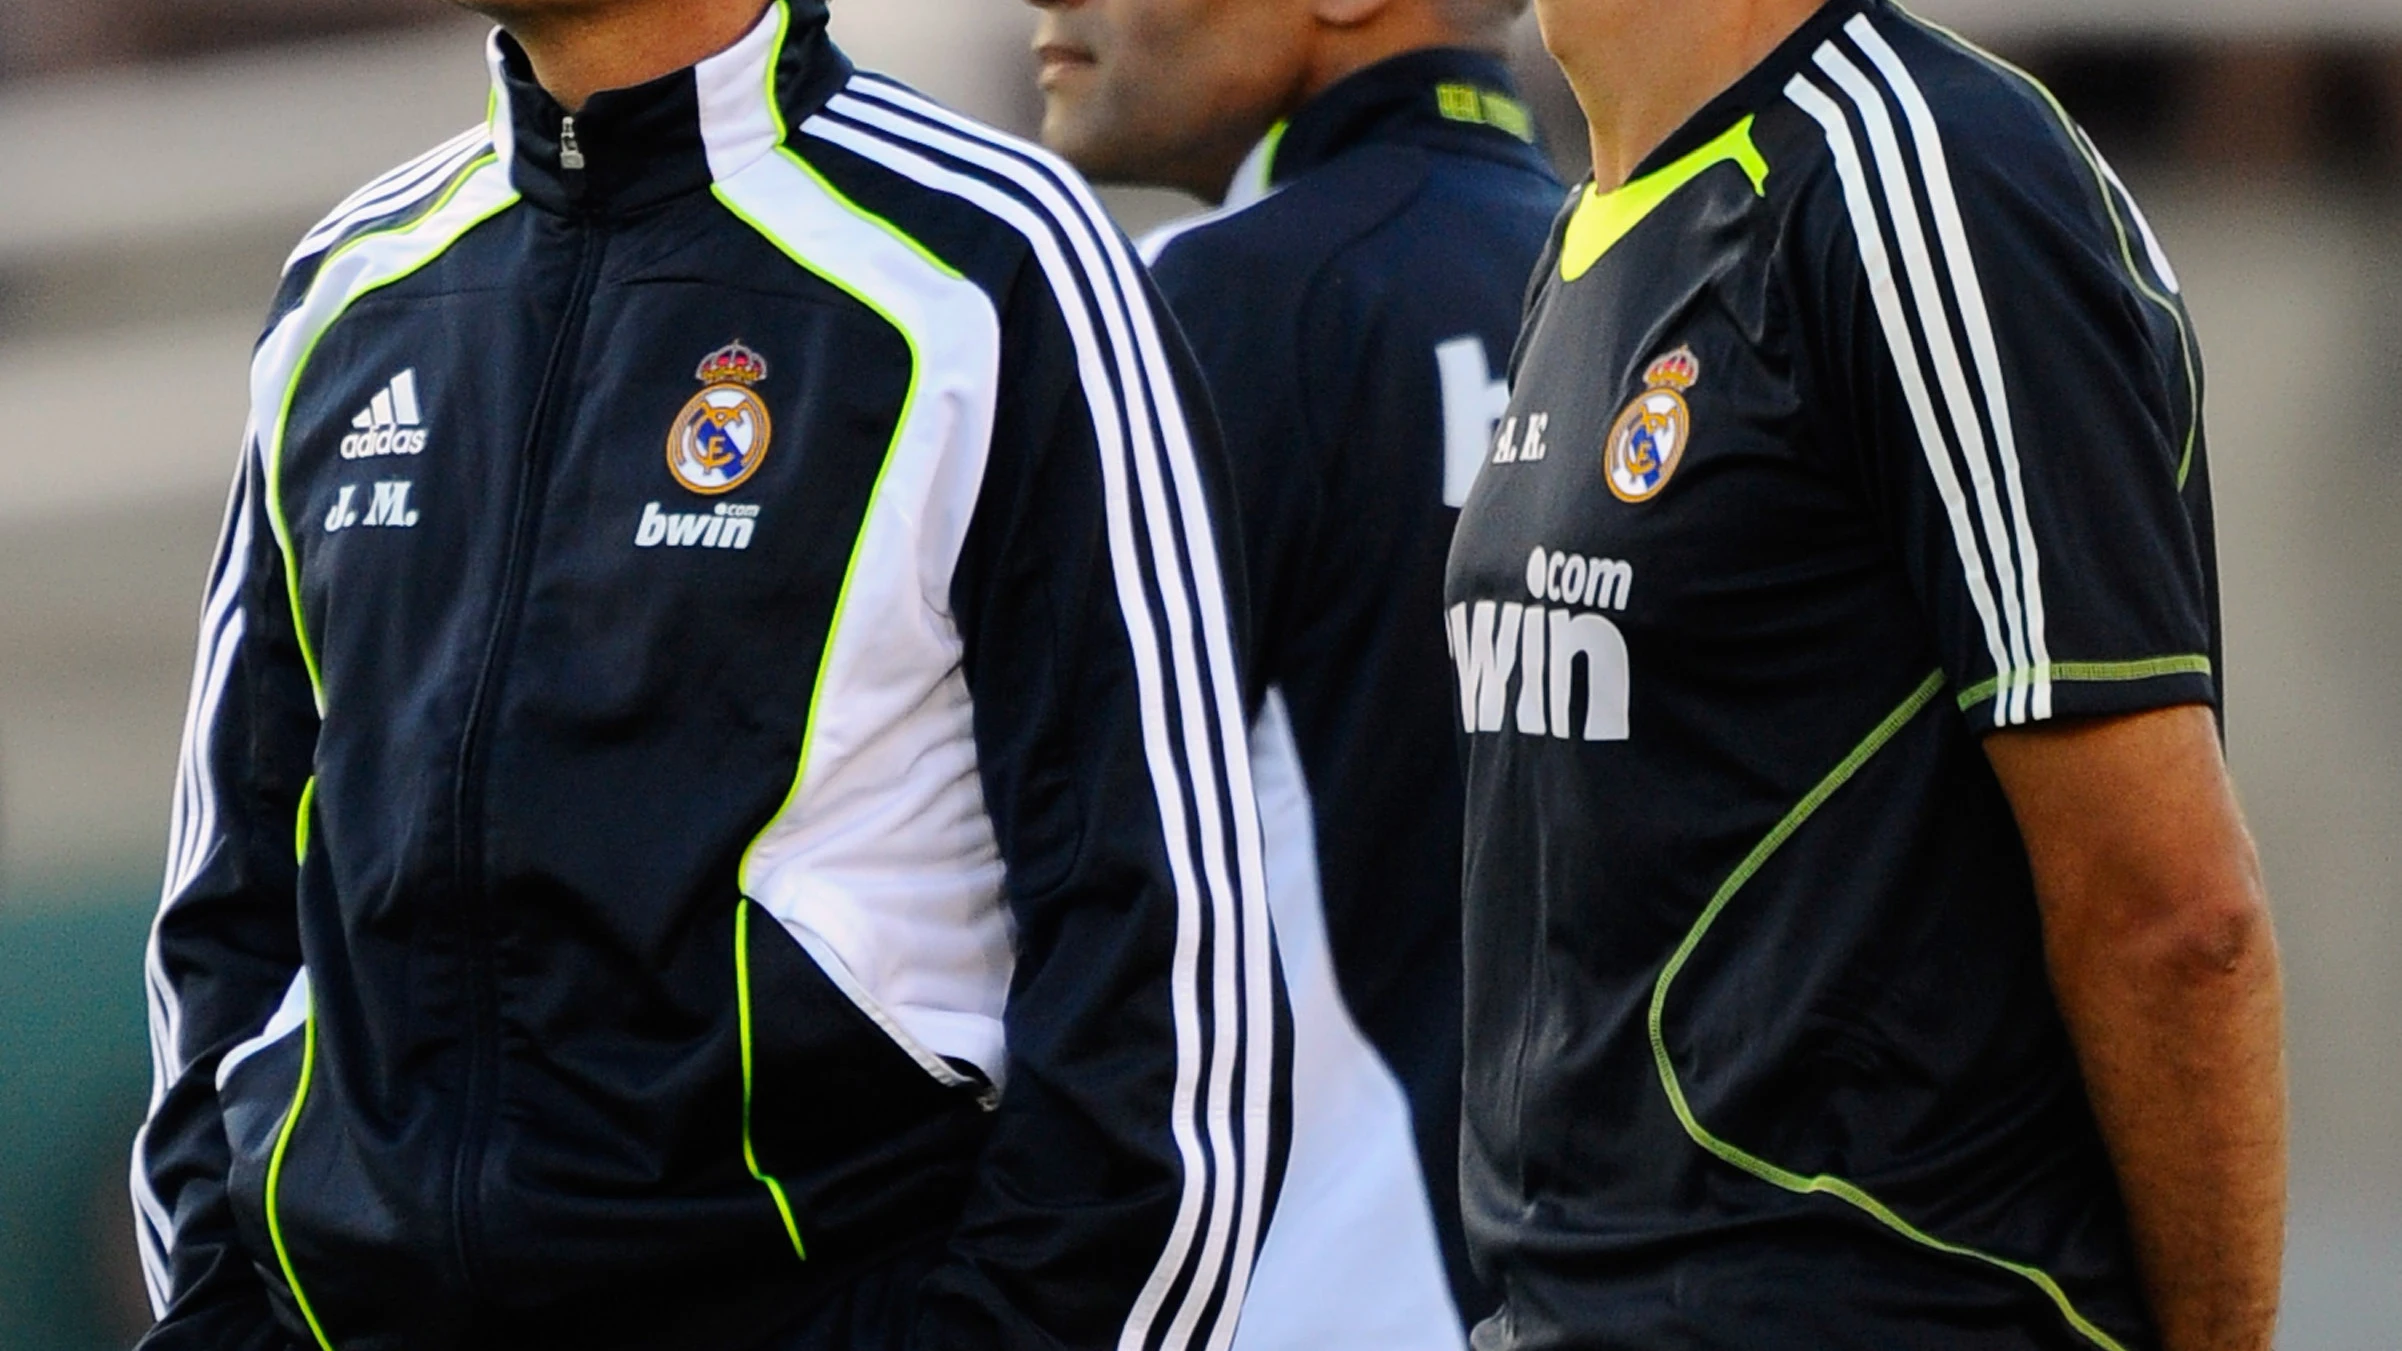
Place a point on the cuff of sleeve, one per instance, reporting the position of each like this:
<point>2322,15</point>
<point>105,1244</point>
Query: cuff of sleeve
<point>2084,689</point>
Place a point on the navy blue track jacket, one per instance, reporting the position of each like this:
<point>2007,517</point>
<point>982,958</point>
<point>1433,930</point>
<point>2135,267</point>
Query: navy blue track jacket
<point>1352,307</point>
<point>716,766</point>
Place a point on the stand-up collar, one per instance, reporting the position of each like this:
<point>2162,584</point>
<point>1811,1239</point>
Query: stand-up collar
<point>675,134</point>
<point>1446,98</point>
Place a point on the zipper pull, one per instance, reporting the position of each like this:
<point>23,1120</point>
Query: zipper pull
<point>571,155</point>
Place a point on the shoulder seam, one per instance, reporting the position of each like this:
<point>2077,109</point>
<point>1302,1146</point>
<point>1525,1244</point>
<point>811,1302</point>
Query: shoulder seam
<point>2110,192</point>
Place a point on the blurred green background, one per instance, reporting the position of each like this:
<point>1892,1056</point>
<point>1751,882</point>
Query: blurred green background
<point>74,1072</point>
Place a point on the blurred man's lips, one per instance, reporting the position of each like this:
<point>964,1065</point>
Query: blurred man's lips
<point>1059,59</point>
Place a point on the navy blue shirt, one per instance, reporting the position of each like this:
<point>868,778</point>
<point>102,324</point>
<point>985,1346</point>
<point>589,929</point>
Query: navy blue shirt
<point>1352,309</point>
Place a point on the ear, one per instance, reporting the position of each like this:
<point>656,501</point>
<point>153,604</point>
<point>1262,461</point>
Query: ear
<point>1347,13</point>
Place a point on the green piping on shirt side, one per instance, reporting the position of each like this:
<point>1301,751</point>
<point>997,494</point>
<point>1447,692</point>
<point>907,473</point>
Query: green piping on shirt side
<point>300,821</point>
<point>742,1006</point>
<point>275,1177</point>
<point>1786,1179</point>
<point>2091,673</point>
<point>900,427</point>
<point>842,600</point>
<point>308,654</point>
<point>2126,247</point>
<point>283,412</point>
<point>1267,158</point>
<point>1604,218</point>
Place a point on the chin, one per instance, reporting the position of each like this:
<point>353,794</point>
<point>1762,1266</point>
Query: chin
<point>507,12</point>
<point>1071,131</point>
<point>1092,132</point>
<point>1062,130</point>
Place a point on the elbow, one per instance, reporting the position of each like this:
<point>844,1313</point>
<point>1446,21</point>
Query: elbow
<point>2218,940</point>
<point>2205,934</point>
<point>2197,928</point>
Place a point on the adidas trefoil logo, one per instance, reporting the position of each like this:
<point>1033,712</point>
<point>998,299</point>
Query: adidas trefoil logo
<point>390,424</point>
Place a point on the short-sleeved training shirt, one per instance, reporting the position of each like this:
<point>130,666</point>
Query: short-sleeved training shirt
<point>1861,422</point>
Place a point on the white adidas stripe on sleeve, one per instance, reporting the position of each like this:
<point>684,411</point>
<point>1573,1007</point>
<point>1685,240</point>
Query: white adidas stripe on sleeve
<point>192,837</point>
<point>1887,296</point>
<point>1157,385</point>
<point>1935,318</point>
<point>1048,206</point>
<point>1995,540</point>
<point>396,191</point>
<point>194,833</point>
<point>1970,290</point>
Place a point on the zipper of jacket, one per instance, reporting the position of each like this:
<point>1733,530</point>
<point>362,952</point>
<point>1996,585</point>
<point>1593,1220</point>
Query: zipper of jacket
<point>483,1049</point>
<point>571,151</point>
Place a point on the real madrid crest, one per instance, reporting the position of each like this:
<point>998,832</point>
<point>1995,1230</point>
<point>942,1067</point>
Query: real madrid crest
<point>721,436</point>
<point>1648,440</point>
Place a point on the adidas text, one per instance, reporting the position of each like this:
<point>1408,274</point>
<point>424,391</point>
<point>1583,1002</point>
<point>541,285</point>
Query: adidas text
<point>383,441</point>
<point>390,424</point>
<point>729,527</point>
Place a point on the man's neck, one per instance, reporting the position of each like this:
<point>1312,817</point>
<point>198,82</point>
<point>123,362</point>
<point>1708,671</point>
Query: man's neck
<point>1396,31</point>
<point>1341,52</point>
<point>1635,92</point>
<point>581,52</point>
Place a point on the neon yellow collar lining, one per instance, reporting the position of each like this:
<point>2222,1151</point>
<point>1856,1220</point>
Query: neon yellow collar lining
<point>1604,218</point>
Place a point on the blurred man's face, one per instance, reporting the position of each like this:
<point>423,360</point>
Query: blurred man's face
<point>1170,92</point>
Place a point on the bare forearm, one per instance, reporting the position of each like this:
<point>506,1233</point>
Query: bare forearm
<point>2182,1054</point>
<point>2165,966</point>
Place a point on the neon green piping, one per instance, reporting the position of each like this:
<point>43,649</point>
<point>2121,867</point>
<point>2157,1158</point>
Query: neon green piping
<point>1751,1163</point>
<point>300,822</point>
<point>1268,146</point>
<point>1604,218</point>
<point>308,792</point>
<point>899,235</point>
<point>275,1178</point>
<point>283,415</point>
<point>775,59</point>
<point>842,595</point>
<point>2126,247</point>
<point>742,1005</point>
<point>2090,672</point>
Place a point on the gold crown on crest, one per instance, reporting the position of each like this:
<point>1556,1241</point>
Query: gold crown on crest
<point>732,363</point>
<point>1677,370</point>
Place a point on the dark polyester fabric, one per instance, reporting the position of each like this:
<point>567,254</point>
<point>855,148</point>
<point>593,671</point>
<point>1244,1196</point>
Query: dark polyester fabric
<point>562,1081</point>
<point>1391,230</point>
<point>1762,1052</point>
